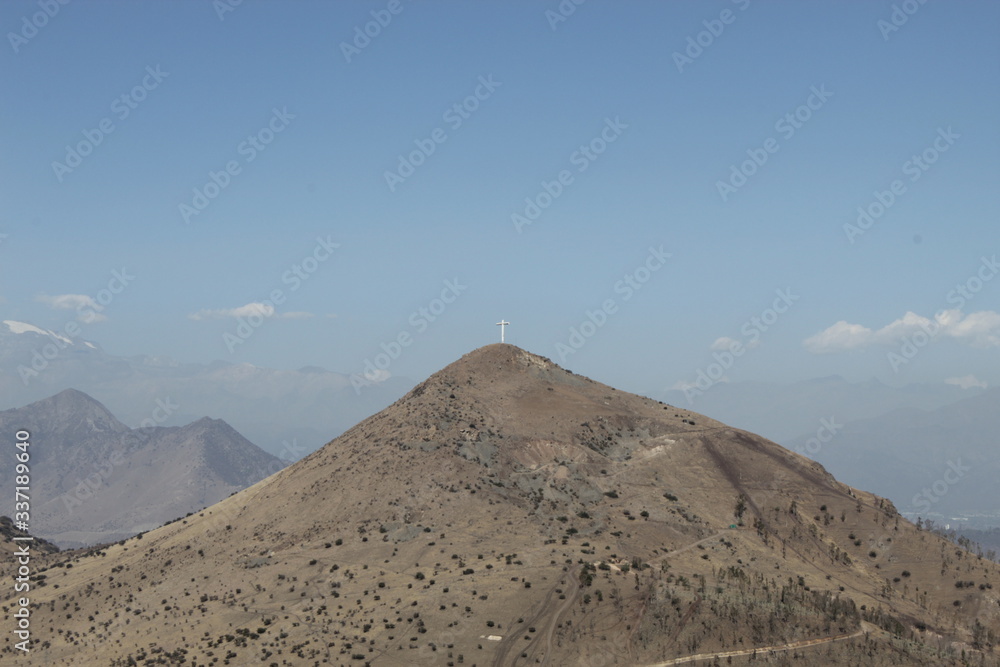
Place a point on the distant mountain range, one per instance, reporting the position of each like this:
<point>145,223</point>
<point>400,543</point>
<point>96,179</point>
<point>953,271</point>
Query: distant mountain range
<point>94,480</point>
<point>942,463</point>
<point>286,412</point>
<point>897,442</point>
<point>783,412</point>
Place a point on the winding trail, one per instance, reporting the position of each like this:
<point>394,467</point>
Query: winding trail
<point>574,584</point>
<point>692,545</point>
<point>503,650</point>
<point>805,643</point>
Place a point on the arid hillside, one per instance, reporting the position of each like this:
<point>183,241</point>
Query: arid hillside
<point>509,512</point>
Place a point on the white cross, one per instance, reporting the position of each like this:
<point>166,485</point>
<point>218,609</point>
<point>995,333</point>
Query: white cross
<point>502,324</point>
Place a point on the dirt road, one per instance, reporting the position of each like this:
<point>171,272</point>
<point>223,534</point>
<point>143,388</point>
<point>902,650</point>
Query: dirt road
<point>763,649</point>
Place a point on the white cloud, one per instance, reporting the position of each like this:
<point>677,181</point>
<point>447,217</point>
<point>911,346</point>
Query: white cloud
<point>87,309</point>
<point>254,308</point>
<point>980,329</point>
<point>726,343</point>
<point>967,382</point>
<point>907,325</point>
<point>838,338</point>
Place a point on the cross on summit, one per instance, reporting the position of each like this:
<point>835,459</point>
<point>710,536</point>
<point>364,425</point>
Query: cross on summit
<point>502,324</point>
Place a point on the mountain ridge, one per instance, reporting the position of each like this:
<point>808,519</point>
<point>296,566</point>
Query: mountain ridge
<point>94,479</point>
<point>921,446</point>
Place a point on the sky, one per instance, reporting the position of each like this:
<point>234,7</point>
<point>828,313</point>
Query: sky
<point>648,192</point>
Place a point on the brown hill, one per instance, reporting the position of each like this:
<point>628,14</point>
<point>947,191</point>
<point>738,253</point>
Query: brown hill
<point>509,512</point>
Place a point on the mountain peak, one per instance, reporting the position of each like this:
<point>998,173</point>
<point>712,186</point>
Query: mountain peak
<point>499,357</point>
<point>16,327</point>
<point>492,372</point>
<point>72,394</point>
<point>78,405</point>
<point>510,410</point>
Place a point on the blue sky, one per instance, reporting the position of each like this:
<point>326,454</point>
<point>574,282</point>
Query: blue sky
<point>641,138</point>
